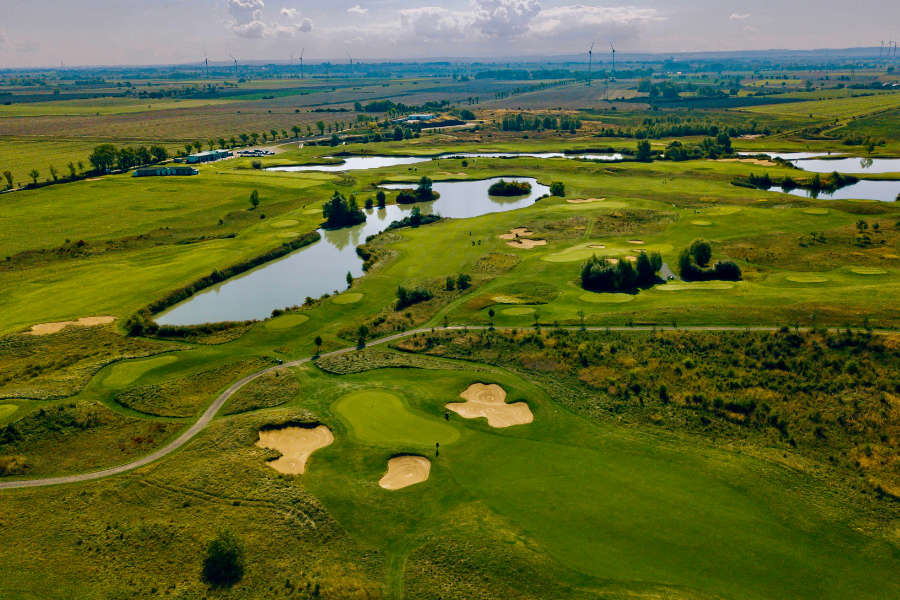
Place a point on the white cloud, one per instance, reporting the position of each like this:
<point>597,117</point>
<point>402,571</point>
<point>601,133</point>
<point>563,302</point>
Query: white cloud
<point>597,21</point>
<point>247,20</point>
<point>739,16</point>
<point>504,18</point>
<point>432,23</point>
<point>357,10</point>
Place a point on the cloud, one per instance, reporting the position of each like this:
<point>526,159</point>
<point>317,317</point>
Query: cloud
<point>357,10</point>
<point>597,21</point>
<point>504,18</point>
<point>247,20</point>
<point>433,23</point>
<point>739,16</point>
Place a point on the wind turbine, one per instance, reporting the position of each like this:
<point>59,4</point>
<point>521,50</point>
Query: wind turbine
<point>590,62</point>
<point>206,64</point>
<point>350,58</point>
<point>881,50</point>
<point>301,62</point>
<point>613,48</point>
<point>235,65</point>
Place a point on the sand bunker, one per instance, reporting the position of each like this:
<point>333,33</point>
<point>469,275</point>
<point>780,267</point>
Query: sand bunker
<point>47,328</point>
<point>404,471</point>
<point>515,233</point>
<point>489,401</point>
<point>527,244</point>
<point>597,246</point>
<point>701,223</point>
<point>296,444</point>
<point>584,200</point>
<point>636,242</point>
<point>750,161</point>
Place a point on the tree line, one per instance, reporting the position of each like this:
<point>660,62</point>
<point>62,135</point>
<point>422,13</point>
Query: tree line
<point>607,275</point>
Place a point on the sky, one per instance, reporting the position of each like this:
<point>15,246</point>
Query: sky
<point>36,33</point>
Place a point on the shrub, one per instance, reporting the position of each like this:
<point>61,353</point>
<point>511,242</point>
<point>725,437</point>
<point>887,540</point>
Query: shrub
<point>224,562</point>
<point>693,261</point>
<point>256,164</point>
<point>407,297</point>
<point>558,189</point>
<point>602,275</point>
<point>510,188</point>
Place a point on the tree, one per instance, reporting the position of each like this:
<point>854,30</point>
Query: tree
<point>244,138</point>
<point>296,131</point>
<point>361,334</point>
<point>274,134</point>
<point>558,189</point>
<point>342,212</point>
<point>701,252</point>
<point>450,283</point>
<point>211,145</point>
<point>463,281</point>
<point>222,143</point>
<point>224,562</point>
<point>491,314</point>
<point>188,148</point>
<point>53,172</point>
<point>318,343</point>
<point>320,125</point>
<point>103,157</point>
<point>9,178</point>
<point>643,151</point>
<point>254,199</point>
<point>72,171</point>
<point>198,146</point>
<point>158,153</point>
<point>424,192</point>
<point>255,137</point>
<point>380,199</point>
<point>80,167</point>
<point>34,174</point>
<point>349,278</point>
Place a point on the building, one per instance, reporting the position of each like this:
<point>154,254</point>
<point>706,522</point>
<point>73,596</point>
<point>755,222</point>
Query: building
<point>209,156</point>
<point>164,171</point>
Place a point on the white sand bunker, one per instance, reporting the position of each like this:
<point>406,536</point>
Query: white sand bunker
<point>638,242</point>
<point>296,444</point>
<point>489,401</point>
<point>515,233</point>
<point>48,328</point>
<point>526,244</point>
<point>584,200</point>
<point>404,471</point>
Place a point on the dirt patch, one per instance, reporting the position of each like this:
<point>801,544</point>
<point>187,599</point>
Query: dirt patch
<point>584,200</point>
<point>489,401</point>
<point>637,242</point>
<point>515,233</point>
<point>404,471</point>
<point>527,244</point>
<point>597,246</point>
<point>93,179</point>
<point>296,444</point>
<point>48,328</point>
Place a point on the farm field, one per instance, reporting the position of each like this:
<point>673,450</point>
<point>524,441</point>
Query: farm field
<point>486,404</point>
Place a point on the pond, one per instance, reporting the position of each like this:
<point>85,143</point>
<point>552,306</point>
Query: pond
<point>321,268</point>
<point>865,189</point>
<point>823,163</point>
<point>359,163</point>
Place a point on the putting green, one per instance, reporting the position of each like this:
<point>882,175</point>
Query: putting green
<point>289,234</point>
<point>806,278</point>
<point>382,418</point>
<point>126,372</point>
<point>595,298</point>
<point>285,223</point>
<point>518,311</point>
<point>699,286</point>
<point>868,271</point>
<point>6,410</point>
<point>815,211</point>
<point>312,211</point>
<point>347,298</point>
<point>701,223</point>
<point>286,321</point>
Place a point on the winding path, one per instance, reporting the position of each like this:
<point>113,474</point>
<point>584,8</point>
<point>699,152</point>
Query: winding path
<point>213,408</point>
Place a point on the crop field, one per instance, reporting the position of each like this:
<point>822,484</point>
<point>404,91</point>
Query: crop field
<point>485,404</point>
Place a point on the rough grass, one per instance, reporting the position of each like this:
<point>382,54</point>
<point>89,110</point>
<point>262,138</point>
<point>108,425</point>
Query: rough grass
<point>60,364</point>
<point>272,389</point>
<point>188,395</point>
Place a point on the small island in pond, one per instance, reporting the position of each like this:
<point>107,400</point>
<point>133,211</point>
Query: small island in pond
<point>510,188</point>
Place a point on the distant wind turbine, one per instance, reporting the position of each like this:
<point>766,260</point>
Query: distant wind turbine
<point>301,62</point>
<point>590,62</point>
<point>613,48</point>
<point>235,65</point>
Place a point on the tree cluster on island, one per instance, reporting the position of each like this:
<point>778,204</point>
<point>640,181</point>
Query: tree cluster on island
<point>694,264</point>
<point>414,219</point>
<point>422,193</point>
<point>509,188</point>
<point>606,275</point>
<point>342,212</point>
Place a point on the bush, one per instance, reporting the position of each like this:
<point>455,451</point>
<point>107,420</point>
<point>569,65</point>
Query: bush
<point>256,164</point>
<point>558,189</point>
<point>224,562</point>
<point>510,188</point>
<point>694,260</point>
<point>407,297</point>
<point>602,275</point>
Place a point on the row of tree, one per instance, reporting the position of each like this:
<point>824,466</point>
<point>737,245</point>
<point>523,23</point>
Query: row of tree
<point>527,122</point>
<point>107,157</point>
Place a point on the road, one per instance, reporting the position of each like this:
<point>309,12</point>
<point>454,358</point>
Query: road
<point>220,401</point>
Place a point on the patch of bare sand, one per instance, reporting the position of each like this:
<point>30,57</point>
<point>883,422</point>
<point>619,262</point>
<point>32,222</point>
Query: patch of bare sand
<point>584,200</point>
<point>516,233</point>
<point>404,471</point>
<point>93,179</point>
<point>296,444</point>
<point>750,161</point>
<point>637,242</point>
<point>489,401</point>
<point>48,328</point>
<point>597,246</point>
<point>526,244</point>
